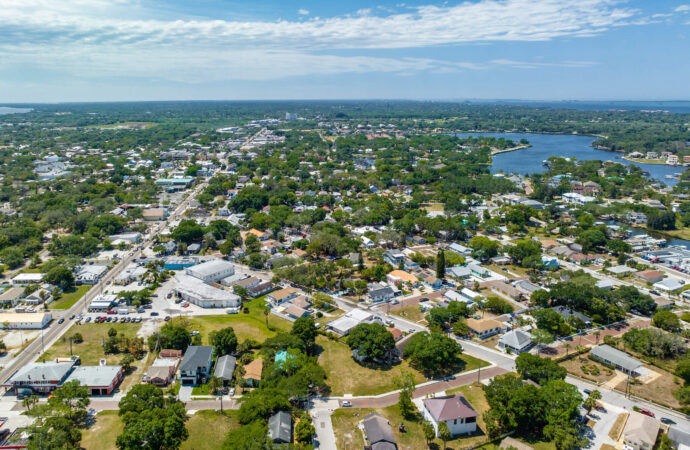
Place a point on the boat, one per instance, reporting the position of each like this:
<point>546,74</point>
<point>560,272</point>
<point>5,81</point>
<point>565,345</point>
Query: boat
<point>545,163</point>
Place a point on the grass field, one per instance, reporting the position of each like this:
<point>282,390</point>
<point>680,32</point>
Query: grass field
<point>91,350</point>
<point>103,433</point>
<point>207,429</point>
<point>246,326</point>
<point>346,376</point>
<point>575,364</point>
<point>659,390</point>
<point>411,312</point>
<point>69,298</point>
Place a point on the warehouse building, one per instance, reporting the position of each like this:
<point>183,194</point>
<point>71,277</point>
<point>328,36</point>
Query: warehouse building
<point>211,271</point>
<point>101,380</point>
<point>204,295</point>
<point>25,321</point>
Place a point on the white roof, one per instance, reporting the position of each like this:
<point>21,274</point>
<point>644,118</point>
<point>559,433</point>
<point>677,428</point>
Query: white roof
<point>28,277</point>
<point>209,268</point>
<point>621,269</point>
<point>668,284</point>
<point>94,375</point>
<point>196,288</point>
<point>470,293</point>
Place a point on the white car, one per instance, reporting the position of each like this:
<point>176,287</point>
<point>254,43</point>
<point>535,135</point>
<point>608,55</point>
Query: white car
<point>232,392</point>
<point>346,404</point>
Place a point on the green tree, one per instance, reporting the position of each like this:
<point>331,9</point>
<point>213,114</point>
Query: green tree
<point>440,265</point>
<point>224,341</point>
<point>444,433</point>
<point>429,432</point>
<point>666,320</point>
<point>541,338</point>
<point>253,436</point>
<point>483,248</point>
<point>405,383</point>
<point>540,370</point>
<point>432,353</point>
<point>305,329</point>
<point>188,231</point>
<point>126,362</point>
<point>683,370</point>
<point>304,432</point>
<point>60,276</point>
<point>259,404</point>
<point>371,340</point>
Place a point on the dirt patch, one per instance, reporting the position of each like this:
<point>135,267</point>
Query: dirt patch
<point>584,367</point>
<point>658,391</point>
<point>618,425</point>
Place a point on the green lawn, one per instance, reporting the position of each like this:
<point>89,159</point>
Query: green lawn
<point>103,433</point>
<point>411,312</point>
<point>246,326</point>
<point>207,429</point>
<point>201,390</point>
<point>91,350</point>
<point>348,436</point>
<point>69,298</point>
<point>345,376</point>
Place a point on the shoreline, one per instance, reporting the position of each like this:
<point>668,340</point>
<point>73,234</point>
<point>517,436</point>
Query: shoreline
<point>648,161</point>
<point>496,151</point>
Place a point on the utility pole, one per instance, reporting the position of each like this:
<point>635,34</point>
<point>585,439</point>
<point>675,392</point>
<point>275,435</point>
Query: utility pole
<point>479,370</point>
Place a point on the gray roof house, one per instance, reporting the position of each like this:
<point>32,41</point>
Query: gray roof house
<point>196,364</point>
<point>380,293</point>
<point>567,313</point>
<point>225,366</point>
<point>379,433</point>
<point>620,360</point>
<point>517,341</point>
<point>679,437</point>
<point>280,427</point>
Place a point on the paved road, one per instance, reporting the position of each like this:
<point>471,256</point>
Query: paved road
<point>431,388</point>
<point>54,331</point>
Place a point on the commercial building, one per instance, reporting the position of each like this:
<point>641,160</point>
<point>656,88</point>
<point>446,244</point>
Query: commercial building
<point>616,358</point>
<point>41,378</point>
<point>11,296</point>
<point>204,295</point>
<point>211,271</point>
<point>154,214</point>
<point>454,410</point>
<point>89,274</point>
<point>23,279</point>
<point>101,380</point>
<point>179,263</point>
<point>102,302</point>
<point>175,183</point>
<point>25,321</point>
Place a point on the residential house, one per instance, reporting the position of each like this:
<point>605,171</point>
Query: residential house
<point>516,341</point>
<point>11,296</point>
<point>398,277</point>
<point>379,292</point>
<point>252,372</point>
<point>225,367</point>
<point>283,295</point>
<point>650,276</point>
<point>461,272</point>
<point>568,315</point>
<point>196,365</point>
<point>484,328</point>
<point>454,410</point>
<point>378,432</point>
<point>669,285</point>
<point>394,257</point>
<point>641,431</point>
<point>280,427</point>
<point>260,289</point>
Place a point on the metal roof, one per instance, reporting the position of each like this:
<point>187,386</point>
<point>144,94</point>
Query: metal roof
<point>94,376</point>
<point>616,357</point>
<point>280,427</point>
<point>225,366</point>
<point>449,408</point>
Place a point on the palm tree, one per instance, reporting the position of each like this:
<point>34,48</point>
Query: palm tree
<point>597,334</point>
<point>214,386</point>
<point>267,311</point>
<point>566,346</point>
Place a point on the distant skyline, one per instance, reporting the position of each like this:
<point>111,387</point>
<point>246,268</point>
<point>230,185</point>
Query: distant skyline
<point>136,50</point>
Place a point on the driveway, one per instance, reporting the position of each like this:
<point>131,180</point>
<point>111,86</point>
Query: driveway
<point>321,411</point>
<point>185,394</point>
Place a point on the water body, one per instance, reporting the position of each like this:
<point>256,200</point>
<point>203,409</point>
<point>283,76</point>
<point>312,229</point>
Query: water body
<point>529,160</point>
<point>679,106</point>
<point>8,110</point>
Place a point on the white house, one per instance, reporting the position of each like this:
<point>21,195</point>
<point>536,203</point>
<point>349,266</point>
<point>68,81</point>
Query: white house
<point>517,341</point>
<point>454,410</point>
<point>578,199</point>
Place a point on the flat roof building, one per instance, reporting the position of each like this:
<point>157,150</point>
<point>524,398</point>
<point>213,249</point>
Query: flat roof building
<point>211,271</point>
<point>101,380</point>
<point>204,295</point>
<point>25,321</point>
<point>41,378</point>
<point>23,279</point>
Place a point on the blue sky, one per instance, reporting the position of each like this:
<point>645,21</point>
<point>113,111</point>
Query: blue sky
<point>117,50</point>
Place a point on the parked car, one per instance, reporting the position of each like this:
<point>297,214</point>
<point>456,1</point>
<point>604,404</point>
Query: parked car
<point>138,319</point>
<point>111,311</point>
<point>154,313</point>
<point>424,299</point>
<point>646,412</point>
<point>88,319</point>
<point>654,292</point>
<point>587,391</point>
<point>232,392</point>
<point>169,295</point>
<point>71,317</point>
<point>667,421</point>
<point>167,318</point>
<point>346,404</point>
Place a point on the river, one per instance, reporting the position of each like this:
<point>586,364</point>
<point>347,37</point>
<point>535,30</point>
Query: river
<point>529,160</point>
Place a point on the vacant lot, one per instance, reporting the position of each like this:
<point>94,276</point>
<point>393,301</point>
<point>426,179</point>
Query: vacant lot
<point>346,376</point>
<point>246,326</point>
<point>70,297</point>
<point>660,390</point>
<point>207,429</point>
<point>411,312</point>
<point>103,433</point>
<point>91,350</point>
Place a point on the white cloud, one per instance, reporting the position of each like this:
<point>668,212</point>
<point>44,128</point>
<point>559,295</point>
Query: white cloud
<point>682,8</point>
<point>92,38</point>
<point>303,12</point>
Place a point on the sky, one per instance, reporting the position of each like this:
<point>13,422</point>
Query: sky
<point>131,50</point>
